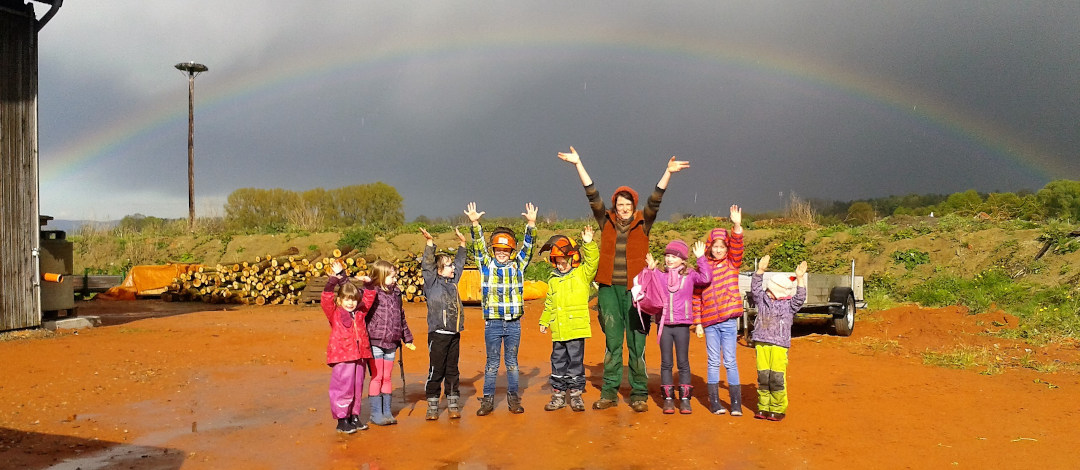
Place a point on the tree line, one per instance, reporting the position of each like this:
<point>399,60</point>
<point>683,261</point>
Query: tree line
<point>376,204</point>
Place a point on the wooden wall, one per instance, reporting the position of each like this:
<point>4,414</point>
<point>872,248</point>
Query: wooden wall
<point>19,304</point>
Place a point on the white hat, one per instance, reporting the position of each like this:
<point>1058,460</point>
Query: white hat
<point>782,286</point>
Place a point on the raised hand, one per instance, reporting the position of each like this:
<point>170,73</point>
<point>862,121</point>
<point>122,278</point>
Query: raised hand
<point>800,272</point>
<point>530,213</point>
<point>460,237</point>
<point>427,236</point>
<point>675,166</point>
<point>470,212</point>
<point>587,234</point>
<point>736,216</point>
<point>337,266</point>
<point>763,264</point>
<point>650,261</point>
<point>571,157</point>
<point>699,249</point>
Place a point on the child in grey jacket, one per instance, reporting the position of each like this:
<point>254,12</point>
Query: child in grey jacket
<point>445,321</point>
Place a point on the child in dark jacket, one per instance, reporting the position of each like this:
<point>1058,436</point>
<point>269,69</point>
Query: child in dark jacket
<point>445,319</point>
<point>348,350</point>
<point>387,329</point>
<point>776,306</point>
<point>677,317</point>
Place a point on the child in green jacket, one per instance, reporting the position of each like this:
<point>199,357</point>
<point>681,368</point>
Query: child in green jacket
<point>566,314</point>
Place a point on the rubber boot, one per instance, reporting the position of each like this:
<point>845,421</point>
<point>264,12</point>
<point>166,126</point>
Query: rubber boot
<point>667,391</point>
<point>432,409</point>
<point>387,401</point>
<point>576,403</point>
<point>453,409</point>
<point>735,392</point>
<point>513,403</point>
<point>685,391</point>
<point>487,405</point>
<point>558,400</point>
<point>377,416</point>
<point>359,425</point>
<point>714,400</point>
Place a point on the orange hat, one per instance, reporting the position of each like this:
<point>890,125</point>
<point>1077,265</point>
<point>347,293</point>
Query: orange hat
<point>561,245</point>
<point>503,238</point>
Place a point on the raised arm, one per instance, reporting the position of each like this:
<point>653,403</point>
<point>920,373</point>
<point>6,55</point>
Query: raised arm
<point>673,166</point>
<point>575,159</point>
<point>526,252</point>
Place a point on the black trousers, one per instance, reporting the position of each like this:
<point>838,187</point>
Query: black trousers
<point>675,337</point>
<point>568,364</point>
<point>443,359</point>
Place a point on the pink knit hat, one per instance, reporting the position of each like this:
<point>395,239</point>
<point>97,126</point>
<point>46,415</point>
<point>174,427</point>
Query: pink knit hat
<point>677,248</point>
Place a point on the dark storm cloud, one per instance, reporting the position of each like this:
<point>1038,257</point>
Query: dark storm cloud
<point>484,123</point>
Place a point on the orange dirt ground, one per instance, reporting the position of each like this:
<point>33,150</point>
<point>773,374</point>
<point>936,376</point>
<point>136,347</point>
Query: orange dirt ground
<point>246,388</point>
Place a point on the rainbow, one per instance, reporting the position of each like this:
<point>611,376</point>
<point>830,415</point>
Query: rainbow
<point>341,63</point>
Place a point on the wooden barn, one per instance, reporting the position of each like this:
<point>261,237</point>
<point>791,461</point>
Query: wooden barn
<point>20,304</point>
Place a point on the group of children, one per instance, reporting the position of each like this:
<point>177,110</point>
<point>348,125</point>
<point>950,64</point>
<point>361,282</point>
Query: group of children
<point>368,324</point>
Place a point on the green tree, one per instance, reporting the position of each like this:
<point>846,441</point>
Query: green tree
<point>860,213</point>
<point>1060,198</point>
<point>965,203</point>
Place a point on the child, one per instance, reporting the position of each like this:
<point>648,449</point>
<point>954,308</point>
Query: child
<point>720,306</point>
<point>502,284</point>
<point>566,314</point>
<point>445,321</point>
<point>678,315</point>
<point>348,348</point>
<point>387,328</point>
<point>776,307</point>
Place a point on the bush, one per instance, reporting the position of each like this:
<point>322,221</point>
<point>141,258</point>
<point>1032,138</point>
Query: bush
<point>910,258</point>
<point>356,239</point>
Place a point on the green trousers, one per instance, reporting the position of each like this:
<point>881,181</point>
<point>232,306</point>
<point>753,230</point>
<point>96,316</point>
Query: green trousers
<point>615,320</point>
<point>772,363</point>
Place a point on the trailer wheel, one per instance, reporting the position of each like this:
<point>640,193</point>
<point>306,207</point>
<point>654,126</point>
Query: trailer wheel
<point>845,323</point>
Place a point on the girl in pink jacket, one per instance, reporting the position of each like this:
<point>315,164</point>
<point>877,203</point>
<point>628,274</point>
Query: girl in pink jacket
<point>677,317</point>
<point>348,350</point>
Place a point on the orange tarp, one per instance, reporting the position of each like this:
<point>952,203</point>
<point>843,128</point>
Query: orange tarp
<point>147,280</point>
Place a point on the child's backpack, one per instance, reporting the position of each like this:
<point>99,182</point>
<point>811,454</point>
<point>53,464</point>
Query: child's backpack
<point>648,294</point>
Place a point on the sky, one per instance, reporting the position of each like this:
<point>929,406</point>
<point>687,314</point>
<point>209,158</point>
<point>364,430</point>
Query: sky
<point>459,101</point>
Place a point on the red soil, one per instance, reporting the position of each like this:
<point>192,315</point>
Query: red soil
<point>246,388</point>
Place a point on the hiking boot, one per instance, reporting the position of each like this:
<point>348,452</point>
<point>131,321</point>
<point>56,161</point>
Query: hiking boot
<point>558,400</point>
<point>432,409</point>
<point>715,407</point>
<point>639,405</point>
<point>684,399</point>
<point>453,409</point>
<point>359,425</point>
<point>604,403</point>
<point>487,405</point>
<point>513,403</point>
<point>762,414</point>
<point>669,401</point>
<point>344,426</point>
<point>775,416</point>
<point>576,403</point>
<point>735,393</point>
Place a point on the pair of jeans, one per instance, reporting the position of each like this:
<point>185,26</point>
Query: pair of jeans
<point>568,365</point>
<point>502,338</point>
<point>443,352</point>
<point>720,343</point>
<point>675,337</point>
<point>618,317</point>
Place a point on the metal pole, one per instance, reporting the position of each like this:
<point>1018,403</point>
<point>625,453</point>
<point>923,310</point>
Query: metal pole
<point>191,151</point>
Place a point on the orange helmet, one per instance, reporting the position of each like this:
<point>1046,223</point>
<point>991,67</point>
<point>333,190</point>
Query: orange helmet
<point>503,238</point>
<point>561,245</point>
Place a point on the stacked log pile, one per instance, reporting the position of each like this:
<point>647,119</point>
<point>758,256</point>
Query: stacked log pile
<point>282,279</point>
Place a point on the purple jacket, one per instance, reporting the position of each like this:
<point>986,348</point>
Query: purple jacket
<point>774,316</point>
<point>679,309</point>
<point>386,324</point>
